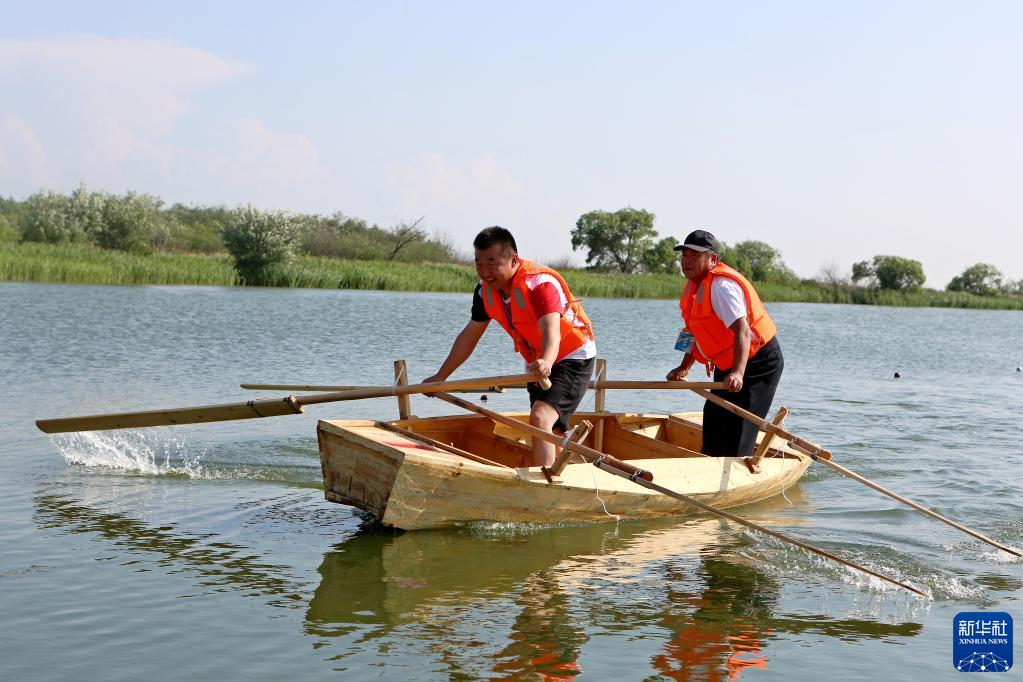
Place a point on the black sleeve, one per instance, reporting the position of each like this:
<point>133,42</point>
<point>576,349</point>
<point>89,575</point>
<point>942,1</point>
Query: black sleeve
<point>479,312</point>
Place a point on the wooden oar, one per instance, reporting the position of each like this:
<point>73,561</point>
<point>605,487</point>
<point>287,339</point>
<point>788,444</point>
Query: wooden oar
<point>329,387</point>
<point>657,385</point>
<point>602,464</point>
<point>645,479</point>
<point>634,385</point>
<point>819,454</point>
<point>253,409</point>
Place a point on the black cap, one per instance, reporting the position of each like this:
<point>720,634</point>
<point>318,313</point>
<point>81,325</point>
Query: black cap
<point>700,240</point>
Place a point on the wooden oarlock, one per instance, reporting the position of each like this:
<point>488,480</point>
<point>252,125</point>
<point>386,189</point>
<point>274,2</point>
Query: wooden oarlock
<point>401,380</point>
<point>819,454</point>
<point>598,404</point>
<point>576,435</point>
<point>753,463</point>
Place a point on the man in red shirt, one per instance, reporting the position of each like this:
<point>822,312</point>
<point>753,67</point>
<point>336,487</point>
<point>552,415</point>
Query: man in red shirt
<point>549,327</point>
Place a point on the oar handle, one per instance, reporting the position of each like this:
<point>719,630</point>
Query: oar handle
<point>413,389</point>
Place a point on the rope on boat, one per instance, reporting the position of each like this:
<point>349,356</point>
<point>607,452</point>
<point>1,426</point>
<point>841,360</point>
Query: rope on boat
<point>401,373</point>
<point>596,489</point>
<point>784,496</point>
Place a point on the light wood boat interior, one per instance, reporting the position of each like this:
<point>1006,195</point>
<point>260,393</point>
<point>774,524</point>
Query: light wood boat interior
<point>625,436</point>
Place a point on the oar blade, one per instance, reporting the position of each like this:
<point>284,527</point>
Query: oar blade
<point>253,409</point>
<point>270,407</point>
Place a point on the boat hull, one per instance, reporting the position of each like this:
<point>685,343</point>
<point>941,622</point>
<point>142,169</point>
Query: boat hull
<point>408,484</point>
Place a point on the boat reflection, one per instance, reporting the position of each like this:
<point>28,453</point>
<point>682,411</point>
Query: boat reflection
<point>508,602</point>
<point>680,590</point>
<point>216,564</point>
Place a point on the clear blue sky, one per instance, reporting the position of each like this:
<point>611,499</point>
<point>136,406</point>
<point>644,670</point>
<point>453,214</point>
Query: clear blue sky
<point>832,131</point>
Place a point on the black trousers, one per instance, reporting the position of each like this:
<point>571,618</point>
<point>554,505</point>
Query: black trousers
<point>729,435</point>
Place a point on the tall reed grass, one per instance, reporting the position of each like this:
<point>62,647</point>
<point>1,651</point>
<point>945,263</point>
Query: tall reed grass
<point>82,264</point>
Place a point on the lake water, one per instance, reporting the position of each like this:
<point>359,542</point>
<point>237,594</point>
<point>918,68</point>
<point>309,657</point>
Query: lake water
<point>208,552</point>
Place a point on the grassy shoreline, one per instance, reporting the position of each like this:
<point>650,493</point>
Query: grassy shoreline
<point>81,264</point>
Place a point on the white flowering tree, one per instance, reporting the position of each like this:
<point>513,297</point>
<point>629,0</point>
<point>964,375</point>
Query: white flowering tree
<point>260,242</point>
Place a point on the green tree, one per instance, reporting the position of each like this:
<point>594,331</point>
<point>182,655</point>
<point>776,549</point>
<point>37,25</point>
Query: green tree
<point>890,272</point>
<point>981,279</point>
<point>14,212</point>
<point>616,239</point>
<point>46,219</point>
<point>129,222</point>
<point>863,271</point>
<point>8,233</point>
<point>761,262</point>
<point>662,257</point>
<point>55,218</point>
<point>191,228</point>
<point>85,213</point>
<point>260,242</point>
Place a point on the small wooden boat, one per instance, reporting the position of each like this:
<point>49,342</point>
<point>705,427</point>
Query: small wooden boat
<point>448,471</point>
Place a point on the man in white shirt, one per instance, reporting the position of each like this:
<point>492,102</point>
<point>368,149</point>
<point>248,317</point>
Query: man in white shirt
<point>727,328</point>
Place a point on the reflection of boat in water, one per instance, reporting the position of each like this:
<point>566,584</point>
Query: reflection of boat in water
<point>411,482</point>
<point>505,601</point>
<point>217,563</point>
<point>547,593</point>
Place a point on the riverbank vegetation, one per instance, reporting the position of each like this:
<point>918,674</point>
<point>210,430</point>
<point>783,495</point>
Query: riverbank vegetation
<point>96,238</point>
<point>85,264</point>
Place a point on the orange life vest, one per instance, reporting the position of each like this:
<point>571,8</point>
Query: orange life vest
<point>715,341</point>
<point>521,322</point>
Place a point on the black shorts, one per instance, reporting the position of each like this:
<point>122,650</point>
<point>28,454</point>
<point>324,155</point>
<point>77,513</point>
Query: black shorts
<point>569,381</point>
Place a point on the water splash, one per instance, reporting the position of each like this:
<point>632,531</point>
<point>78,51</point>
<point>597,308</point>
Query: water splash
<point>788,559</point>
<point>997,556</point>
<point>131,451</point>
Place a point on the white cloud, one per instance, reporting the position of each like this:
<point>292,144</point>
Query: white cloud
<point>120,113</point>
<point>479,189</point>
<point>23,165</point>
<point>460,198</point>
<point>105,97</point>
<point>252,164</point>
